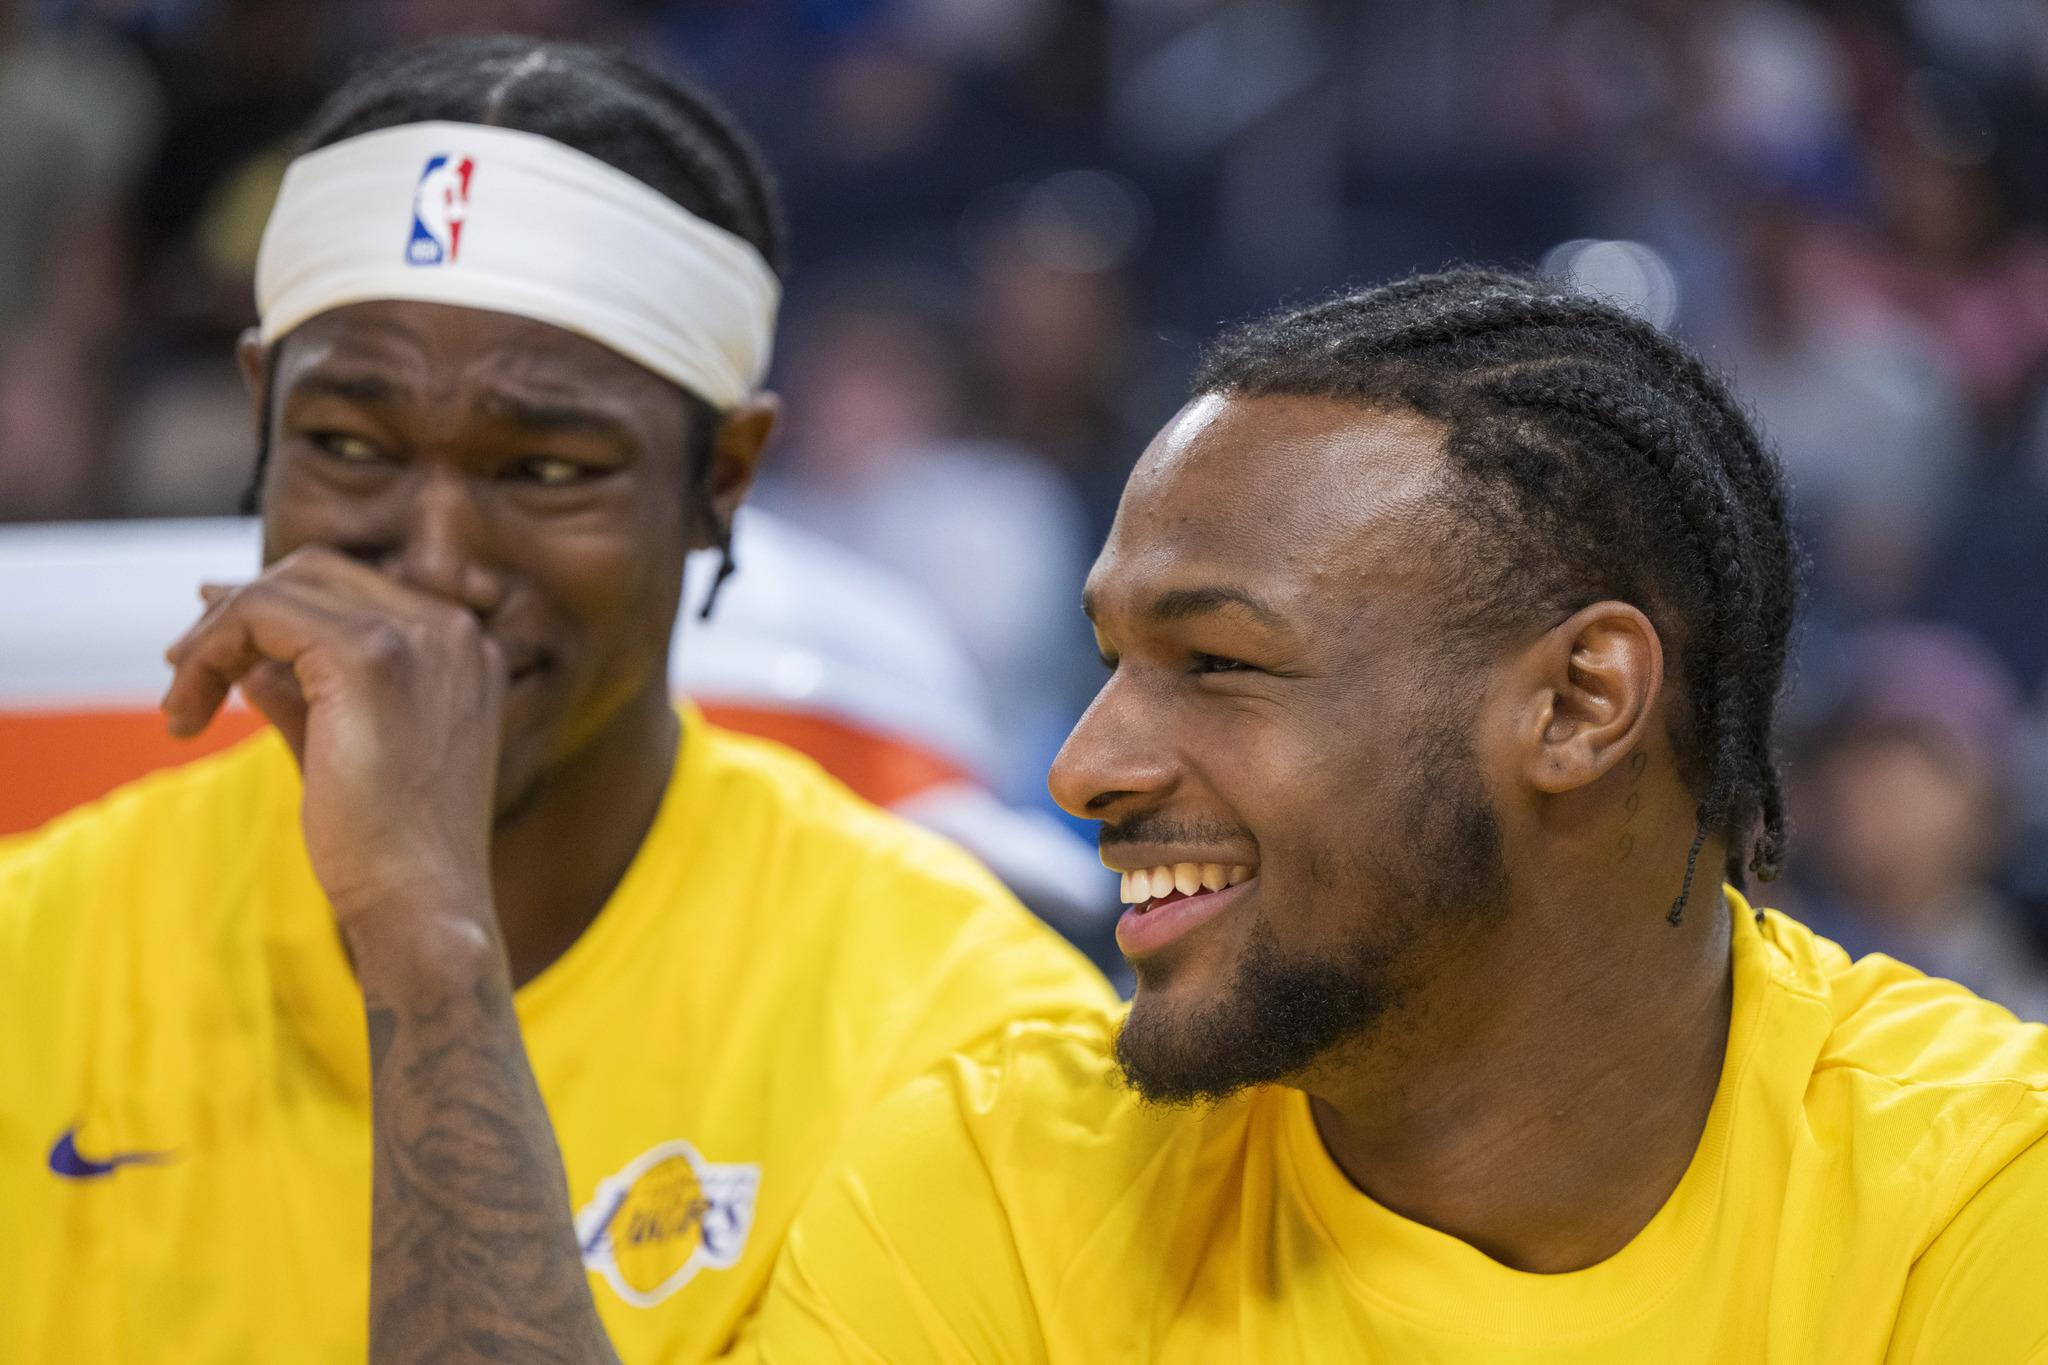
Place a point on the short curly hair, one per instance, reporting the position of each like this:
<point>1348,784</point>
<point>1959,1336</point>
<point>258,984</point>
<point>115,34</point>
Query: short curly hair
<point>1603,460</point>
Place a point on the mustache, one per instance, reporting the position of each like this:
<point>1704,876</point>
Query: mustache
<point>1155,828</point>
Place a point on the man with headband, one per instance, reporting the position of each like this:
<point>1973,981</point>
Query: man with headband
<point>516,307</point>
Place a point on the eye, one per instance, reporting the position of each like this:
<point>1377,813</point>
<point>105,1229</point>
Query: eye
<point>347,448</point>
<point>550,471</point>
<point>1216,663</point>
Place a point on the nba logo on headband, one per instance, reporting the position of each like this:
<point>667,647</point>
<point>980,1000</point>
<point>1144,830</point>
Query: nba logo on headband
<point>440,202</point>
<point>560,237</point>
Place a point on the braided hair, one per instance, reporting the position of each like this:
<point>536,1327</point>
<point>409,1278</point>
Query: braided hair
<point>1601,461</point>
<point>664,132</point>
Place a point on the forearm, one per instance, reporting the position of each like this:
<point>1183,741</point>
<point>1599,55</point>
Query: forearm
<point>473,1250</point>
<point>391,698</point>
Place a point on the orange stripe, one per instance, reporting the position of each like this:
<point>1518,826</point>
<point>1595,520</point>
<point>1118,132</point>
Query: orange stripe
<point>52,761</point>
<point>881,769</point>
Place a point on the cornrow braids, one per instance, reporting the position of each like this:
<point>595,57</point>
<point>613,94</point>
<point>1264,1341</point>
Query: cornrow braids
<point>663,131</point>
<point>1600,460</point>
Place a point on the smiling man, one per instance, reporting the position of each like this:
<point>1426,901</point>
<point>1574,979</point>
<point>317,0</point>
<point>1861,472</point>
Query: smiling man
<point>516,306</point>
<point>1445,627</point>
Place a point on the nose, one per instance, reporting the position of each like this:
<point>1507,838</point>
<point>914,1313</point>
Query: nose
<point>1118,759</point>
<point>445,550</point>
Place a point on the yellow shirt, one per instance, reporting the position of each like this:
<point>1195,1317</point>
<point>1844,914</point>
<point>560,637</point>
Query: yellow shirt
<point>184,1113</point>
<point>1872,1185</point>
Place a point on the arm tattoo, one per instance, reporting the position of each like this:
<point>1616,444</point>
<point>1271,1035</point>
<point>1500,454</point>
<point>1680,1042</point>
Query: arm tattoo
<point>473,1253</point>
<point>383,1024</point>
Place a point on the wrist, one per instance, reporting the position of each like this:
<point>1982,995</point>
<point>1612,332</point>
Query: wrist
<point>423,952</point>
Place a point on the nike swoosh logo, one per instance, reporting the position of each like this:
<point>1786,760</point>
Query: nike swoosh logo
<point>65,1159</point>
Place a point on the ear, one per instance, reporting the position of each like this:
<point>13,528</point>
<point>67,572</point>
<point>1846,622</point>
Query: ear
<point>736,454</point>
<point>249,352</point>
<point>1596,681</point>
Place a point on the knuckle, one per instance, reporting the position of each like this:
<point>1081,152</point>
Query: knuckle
<point>463,632</point>
<point>383,647</point>
<point>462,626</point>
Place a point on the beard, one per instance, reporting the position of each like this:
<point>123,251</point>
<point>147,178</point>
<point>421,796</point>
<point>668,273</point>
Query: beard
<point>1283,1011</point>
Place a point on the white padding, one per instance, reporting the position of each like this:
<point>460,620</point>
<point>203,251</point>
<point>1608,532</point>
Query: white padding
<point>491,218</point>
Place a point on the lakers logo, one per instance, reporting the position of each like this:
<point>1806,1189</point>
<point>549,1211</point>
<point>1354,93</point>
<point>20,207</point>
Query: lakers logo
<point>667,1215</point>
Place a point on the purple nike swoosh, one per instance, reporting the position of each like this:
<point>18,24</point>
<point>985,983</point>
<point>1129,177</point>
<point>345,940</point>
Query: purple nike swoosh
<point>66,1161</point>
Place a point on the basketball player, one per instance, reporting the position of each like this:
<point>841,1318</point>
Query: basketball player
<point>517,302</point>
<point>1445,627</point>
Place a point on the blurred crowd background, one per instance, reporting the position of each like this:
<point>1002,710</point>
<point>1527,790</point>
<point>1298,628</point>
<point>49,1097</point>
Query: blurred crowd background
<point>1015,222</point>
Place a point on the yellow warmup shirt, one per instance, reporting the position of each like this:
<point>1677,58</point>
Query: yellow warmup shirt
<point>1872,1185</point>
<point>184,1104</point>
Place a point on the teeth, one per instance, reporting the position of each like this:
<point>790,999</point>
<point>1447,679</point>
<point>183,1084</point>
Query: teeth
<point>1153,883</point>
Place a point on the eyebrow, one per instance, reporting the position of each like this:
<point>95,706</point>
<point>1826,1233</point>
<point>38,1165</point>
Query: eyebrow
<point>1182,604</point>
<point>352,388</point>
<point>376,390</point>
<point>549,417</point>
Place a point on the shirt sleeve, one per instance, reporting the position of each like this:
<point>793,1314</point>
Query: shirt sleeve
<point>904,1252</point>
<point>1979,1295</point>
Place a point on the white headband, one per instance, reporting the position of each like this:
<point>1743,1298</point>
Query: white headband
<point>513,222</point>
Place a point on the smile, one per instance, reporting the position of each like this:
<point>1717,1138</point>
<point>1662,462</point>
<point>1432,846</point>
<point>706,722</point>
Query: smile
<point>1158,885</point>
<point>1173,899</point>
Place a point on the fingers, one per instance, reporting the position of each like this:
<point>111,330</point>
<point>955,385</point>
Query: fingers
<point>259,633</point>
<point>320,566</point>
<point>314,567</point>
<point>215,596</point>
<point>266,620</point>
<point>200,682</point>
<point>273,689</point>
<point>191,708</point>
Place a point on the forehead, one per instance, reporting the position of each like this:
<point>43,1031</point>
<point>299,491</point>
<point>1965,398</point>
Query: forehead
<point>1305,496</point>
<point>442,353</point>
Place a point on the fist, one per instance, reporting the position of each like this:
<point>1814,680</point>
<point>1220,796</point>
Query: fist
<point>390,700</point>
